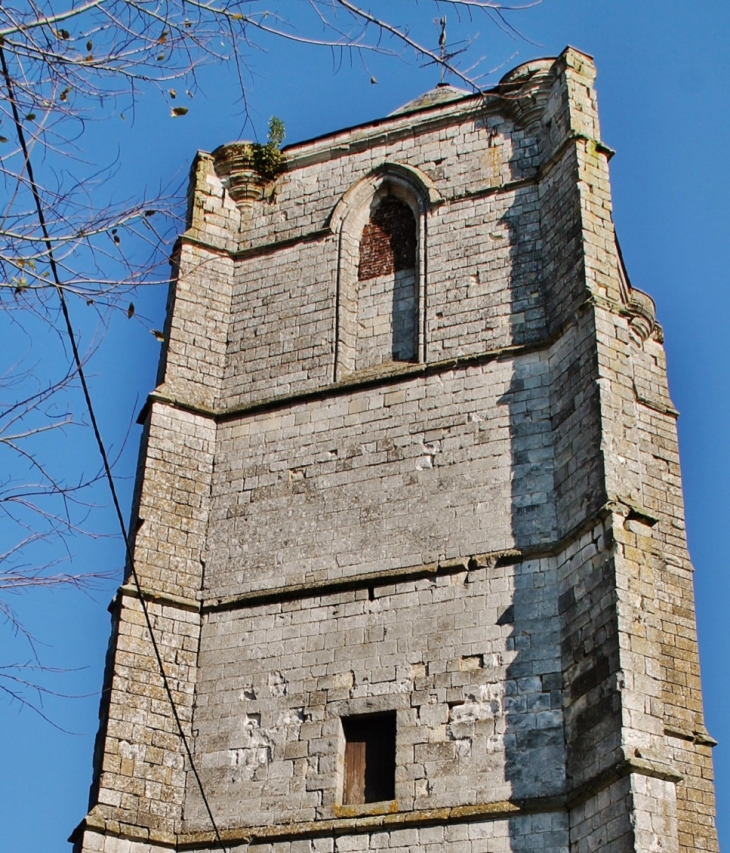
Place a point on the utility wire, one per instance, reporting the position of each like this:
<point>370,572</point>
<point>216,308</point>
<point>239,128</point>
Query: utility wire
<point>97,434</point>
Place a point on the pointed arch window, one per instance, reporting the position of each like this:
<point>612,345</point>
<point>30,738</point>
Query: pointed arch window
<point>381,272</point>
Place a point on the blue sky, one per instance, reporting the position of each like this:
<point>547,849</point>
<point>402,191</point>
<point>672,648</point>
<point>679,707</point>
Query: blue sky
<point>663,83</point>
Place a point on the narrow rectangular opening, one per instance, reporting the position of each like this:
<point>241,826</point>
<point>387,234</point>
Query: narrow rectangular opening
<point>369,758</point>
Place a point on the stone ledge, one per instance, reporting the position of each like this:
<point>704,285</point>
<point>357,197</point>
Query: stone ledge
<point>100,825</point>
<point>655,768</point>
<point>334,826</point>
<point>703,737</point>
<point>257,598</point>
<point>573,138</point>
<point>387,374</point>
<point>388,817</point>
<point>655,404</point>
<point>178,601</point>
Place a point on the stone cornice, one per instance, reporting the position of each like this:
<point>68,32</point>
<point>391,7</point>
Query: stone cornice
<point>390,129</point>
<point>388,374</point>
<point>180,602</point>
<point>627,766</point>
<point>262,249</point>
<point>703,738</point>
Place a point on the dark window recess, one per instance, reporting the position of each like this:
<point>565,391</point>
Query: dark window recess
<point>369,759</point>
<point>388,242</point>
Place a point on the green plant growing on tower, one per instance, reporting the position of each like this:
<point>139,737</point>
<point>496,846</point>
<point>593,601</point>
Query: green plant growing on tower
<point>268,159</point>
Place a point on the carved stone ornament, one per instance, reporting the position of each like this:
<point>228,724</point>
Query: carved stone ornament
<point>234,165</point>
<point>525,90</point>
<point>642,314</point>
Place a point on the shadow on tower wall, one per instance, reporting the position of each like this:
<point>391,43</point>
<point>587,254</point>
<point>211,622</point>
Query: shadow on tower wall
<point>534,737</point>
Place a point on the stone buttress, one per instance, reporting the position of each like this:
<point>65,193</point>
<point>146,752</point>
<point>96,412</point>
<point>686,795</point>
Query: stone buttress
<point>409,511</point>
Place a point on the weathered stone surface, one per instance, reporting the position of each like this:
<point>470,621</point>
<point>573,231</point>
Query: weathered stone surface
<point>412,452</point>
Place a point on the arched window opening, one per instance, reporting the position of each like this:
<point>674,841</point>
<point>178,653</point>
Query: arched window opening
<point>387,291</point>
<point>381,282</point>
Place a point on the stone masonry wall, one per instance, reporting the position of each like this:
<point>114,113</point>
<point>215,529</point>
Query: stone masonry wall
<point>634,813</point>
<point>657,645</point>
<point>424,470</point>
<point>467,149</point>
<point>197,327</point>
<point>387,319</point>
<point>173,504</point>
<point>484,287</point>
<point>140,777</point>
<point>142,774</point>
<point>279,346</point>
<point>469,660</point>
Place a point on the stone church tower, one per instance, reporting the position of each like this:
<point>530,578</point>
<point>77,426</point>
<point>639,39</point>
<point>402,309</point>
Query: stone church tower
<point>409,512</point>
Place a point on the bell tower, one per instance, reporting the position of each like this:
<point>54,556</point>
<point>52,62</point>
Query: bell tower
<point>409,511</point>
